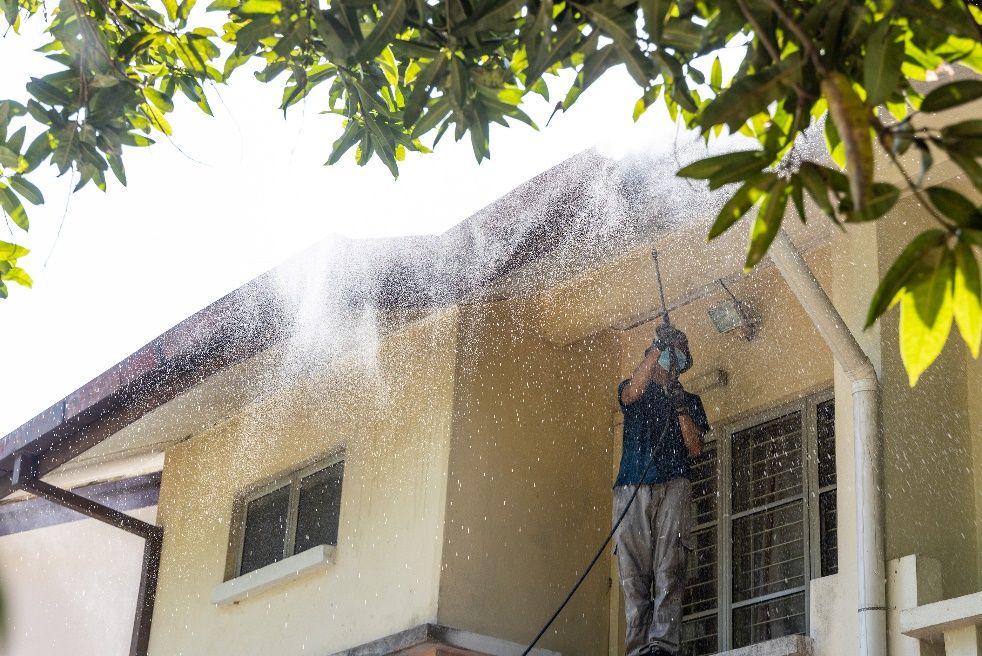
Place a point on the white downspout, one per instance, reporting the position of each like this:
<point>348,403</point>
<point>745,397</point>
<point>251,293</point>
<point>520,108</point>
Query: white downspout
<point>868,447</point>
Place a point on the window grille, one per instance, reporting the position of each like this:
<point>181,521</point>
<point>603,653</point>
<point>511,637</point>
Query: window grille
<point>756,547</point>
<point>288,516</point>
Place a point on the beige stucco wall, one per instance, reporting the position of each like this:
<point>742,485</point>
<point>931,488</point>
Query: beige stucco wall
<point>973,385</point>
<point>529,482</point>
<point>392,416</point>
<point>71,588</point>
<point>930,459</point>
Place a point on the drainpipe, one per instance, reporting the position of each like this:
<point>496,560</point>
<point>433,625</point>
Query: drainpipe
<point>868,447</point>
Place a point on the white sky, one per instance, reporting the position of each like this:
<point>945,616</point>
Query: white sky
<point>248,191</point>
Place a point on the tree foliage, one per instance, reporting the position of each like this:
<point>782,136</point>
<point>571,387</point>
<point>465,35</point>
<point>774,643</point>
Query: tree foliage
<point>403,73</point>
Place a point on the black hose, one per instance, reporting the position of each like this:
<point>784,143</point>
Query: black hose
<point>603,547</point>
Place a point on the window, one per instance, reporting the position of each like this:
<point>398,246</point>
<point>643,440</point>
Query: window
<point>757,545</point>
<point>288,516</point>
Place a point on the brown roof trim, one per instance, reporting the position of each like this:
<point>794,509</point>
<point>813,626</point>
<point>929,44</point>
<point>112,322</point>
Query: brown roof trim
<point>226,332</point>
<point>123,494</point>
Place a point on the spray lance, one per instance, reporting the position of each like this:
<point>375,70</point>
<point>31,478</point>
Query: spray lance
<point>670,340</point>
<point>673,342</point>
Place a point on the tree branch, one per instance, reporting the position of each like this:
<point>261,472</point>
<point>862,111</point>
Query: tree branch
<point>799,35</point>
<point>917,192</point>
<point>768,46</point>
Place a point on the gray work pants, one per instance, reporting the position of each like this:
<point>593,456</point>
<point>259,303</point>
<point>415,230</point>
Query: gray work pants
<point>653,544</point>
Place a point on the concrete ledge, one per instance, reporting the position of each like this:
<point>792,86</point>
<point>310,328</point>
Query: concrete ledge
<point>275,574</point>
<point>431,639</point>
<point>792,645</point>
<point>933,620</point>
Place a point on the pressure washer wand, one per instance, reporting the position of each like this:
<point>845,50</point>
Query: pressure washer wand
<point>674,368</point>
<point>661,288</point>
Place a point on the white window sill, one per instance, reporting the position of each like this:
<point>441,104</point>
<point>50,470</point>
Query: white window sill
<point>792,645</point>
<point>258,580</point>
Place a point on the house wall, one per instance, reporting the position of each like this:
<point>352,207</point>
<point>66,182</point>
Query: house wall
<point>392,416</point>
<point>931,459</point>
<point>528,500</point>
<point>973,383</point>
<point>71,588</point>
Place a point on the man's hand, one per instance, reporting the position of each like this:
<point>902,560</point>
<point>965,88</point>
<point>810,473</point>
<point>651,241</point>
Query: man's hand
<point>642,376</point>
<point>691,434</point>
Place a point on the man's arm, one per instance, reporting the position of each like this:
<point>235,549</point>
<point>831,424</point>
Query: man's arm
<point>691,435</point>
<point>641,377</point>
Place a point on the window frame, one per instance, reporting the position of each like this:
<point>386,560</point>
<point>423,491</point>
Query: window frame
<point>721,437</point>
<point>289,479</point>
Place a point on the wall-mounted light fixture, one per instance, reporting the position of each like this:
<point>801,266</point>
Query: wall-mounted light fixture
<point>707,380</point>
<point>733,314</point>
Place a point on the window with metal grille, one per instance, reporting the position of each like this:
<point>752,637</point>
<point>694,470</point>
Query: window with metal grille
<point>289,515</point>
<point>758,544</point>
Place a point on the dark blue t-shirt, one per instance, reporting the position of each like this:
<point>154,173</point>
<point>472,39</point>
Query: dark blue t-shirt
<point>644,421</point>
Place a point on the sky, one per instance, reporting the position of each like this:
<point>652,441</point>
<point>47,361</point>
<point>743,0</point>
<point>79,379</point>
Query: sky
<point>230,197</point>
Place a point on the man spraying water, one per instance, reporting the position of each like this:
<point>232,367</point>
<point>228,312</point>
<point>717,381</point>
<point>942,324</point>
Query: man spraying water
<point>663,429</point>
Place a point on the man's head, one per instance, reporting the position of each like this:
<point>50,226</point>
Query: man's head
<point>673,350</point>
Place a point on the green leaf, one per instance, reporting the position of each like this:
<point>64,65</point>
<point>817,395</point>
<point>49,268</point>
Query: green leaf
<point>881,65</point>
<point>383,32</point>
<point>48,93</point>
<point>971,129</point>
<point>18,275</point>
<point>893,283</point>
<point>815,183</point>
<point>882,198</point>
<point>654,12</point>
<point>26,189</point>
<point>437,111</point>
<point>926,312</point>
<point>496,13</point>
<point>156,117</point>
<point>748,96</point>
<point>11,252</point>
<point>716,75</point>
<point>851,118</point>
<point>682,35</point>
<point>12,206</point>
<point>16,140</point>
<point>420,93</point>
<point>8,158</point>
<point>740,203</point>
<point>967,297</point>
<point>768,221</point>
<point>956,207</point>
<point>134,43</point>
<point>162,101</point>
<point>967,164</point>
<point>171,7</point>
<point>952,95</point>
<point>616,23</point>
<point>798,197</point>
<point>261,7</point>
<point>710,167</point>
<point>834,145</point>
<point>116,164</point>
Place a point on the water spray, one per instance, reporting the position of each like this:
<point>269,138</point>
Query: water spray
<point>674,372</point>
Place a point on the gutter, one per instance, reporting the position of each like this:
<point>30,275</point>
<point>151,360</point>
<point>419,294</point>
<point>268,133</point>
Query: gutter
<point>867,439</point>
<point>25,476</point>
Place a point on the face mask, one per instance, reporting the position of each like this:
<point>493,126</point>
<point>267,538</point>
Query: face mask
<point>665,360</point>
